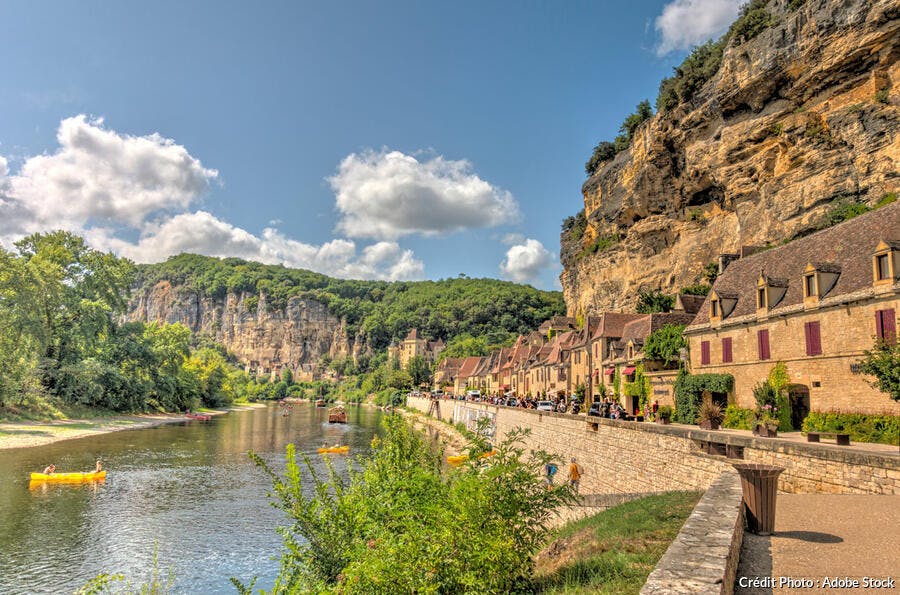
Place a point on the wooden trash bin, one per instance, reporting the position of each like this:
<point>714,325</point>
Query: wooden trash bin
<point>760,486</point>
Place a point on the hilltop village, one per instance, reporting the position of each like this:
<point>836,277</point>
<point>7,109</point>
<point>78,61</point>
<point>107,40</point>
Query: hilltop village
<point>810,309</point>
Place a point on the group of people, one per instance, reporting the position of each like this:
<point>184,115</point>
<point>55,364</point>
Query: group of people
<point>51,468</point>
<point>576,471</point>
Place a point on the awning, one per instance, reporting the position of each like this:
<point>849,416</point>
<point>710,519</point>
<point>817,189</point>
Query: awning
<point>610,371</point>
<point>628,371</point>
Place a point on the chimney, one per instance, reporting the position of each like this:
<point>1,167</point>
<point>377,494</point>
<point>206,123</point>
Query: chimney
<point>725,260</point>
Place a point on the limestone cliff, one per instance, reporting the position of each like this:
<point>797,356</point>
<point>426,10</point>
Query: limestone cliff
<point>266,341</point>
<point>803,115</point>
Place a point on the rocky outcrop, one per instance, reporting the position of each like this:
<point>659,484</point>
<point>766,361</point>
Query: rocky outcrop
<point>265,340</point>
<point>800,117</point>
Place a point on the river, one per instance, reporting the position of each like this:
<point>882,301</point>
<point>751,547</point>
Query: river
<point>186,491</point>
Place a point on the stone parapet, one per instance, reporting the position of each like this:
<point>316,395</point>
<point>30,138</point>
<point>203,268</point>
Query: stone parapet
<point>703,558</point>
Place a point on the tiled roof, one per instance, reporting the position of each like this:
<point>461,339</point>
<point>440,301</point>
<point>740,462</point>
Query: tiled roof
<point>689,304</point>
<point>612,324</point>
<point>469,366</point>
<point>413,335</point>
<point>846,248</point>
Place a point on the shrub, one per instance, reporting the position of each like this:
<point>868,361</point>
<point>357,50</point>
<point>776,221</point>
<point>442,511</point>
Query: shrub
<point>696,289</point>
<point>886,200</point>
<point>403,522</point>
<point>709,411</point>
<point>753,20</point>
<point>883,362</point>
<point>700,66</point>
<point>654,300</point>
<point>738,418</point>
<point>665,344</point>
<point>881,96</point>
<point>665,412</point>
<point>689,390</point>
<point>884,429</point>
<point>844,209</point>
<point>603,151</point>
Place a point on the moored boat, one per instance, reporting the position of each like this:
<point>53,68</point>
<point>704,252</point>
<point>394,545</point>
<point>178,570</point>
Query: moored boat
<point>320,402</point>
<point>198,416</point>
<point>337,415</point>
<point>68,477</point>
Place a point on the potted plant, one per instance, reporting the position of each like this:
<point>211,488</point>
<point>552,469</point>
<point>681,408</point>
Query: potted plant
<point>767,421</point>
<point>710,414</point>
<point>664,414</point>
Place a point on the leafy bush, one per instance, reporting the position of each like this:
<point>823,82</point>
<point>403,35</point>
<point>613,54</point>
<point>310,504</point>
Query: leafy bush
<point>709,411</point>
<point>884,429</point>
<point>886,200</point>
<point>654,300</point>
<point>689,390</point>
<point>881,96</point>
<point>842,210</point>
<point>738,418</point>
<point>602,243</point>
<point>604,151</point>
<point>665,412</point>
<point>883,362</point>
<point>753,20</point>
<point>665,343</point>
<point>403,521</point>
<point>700,66</point>
<point>697,289</point>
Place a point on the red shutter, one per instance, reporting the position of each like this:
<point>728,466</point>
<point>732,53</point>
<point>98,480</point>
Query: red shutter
<point>704,353</point>
<point>813,339</point>
<point>886,326</point>
<point>726,350</point>
<point>762,339</point>
<point>806,333</point>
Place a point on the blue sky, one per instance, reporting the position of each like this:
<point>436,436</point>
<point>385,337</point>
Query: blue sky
<point>379,140</point>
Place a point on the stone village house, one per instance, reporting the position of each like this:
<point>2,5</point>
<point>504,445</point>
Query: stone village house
<point>815,304</point>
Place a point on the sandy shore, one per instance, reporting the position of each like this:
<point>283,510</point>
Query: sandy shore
<point>28,433</point>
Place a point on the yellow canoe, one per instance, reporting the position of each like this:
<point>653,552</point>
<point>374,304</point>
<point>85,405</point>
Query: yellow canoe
<point>459,459</point>
<point>335,449</point>
<point>69,477</point>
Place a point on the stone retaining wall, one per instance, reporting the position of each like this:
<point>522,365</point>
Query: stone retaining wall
<point>704,556</point>
<point>634,457</point>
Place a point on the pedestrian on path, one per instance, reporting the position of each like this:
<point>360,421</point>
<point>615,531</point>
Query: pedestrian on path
<point>550,471</point>
<point>575,473</point>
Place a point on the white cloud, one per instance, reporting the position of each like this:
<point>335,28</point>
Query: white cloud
<point>203,233</point>
<point>686,23</point>
<point>99,181</point>
<point>525,261</point>
<point>387,195</point>
<point>100,175</point>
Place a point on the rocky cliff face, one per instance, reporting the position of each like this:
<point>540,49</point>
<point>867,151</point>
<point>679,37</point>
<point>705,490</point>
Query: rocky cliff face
<point>800,117</point>
<point>296,337</point>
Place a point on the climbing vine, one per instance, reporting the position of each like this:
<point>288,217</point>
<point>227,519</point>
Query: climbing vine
<point>689,390</point>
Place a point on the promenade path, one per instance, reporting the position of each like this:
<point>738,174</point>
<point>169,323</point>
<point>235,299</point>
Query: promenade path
<point>826,535</point>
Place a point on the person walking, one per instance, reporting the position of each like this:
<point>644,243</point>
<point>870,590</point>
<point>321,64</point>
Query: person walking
<point>575,473</point>
<point>550,472</point>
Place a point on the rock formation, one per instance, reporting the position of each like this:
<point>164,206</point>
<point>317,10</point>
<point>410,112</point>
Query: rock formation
<point>265,341</point>
<point>802,116</point>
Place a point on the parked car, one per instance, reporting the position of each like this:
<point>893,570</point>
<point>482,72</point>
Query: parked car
<point>473,394</point>
<point>544,406</point>
<point>438,394</point>
<point>595,409</point>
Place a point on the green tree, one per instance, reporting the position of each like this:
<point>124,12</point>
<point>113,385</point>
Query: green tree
<point>419,371</point>
<point>883,363</point>
<point>604,151</point>
<point>654,301</point>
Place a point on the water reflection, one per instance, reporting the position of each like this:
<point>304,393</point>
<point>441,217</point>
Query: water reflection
<point>187,490</point>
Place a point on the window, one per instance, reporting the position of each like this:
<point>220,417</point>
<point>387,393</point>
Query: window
<point>762,341</point>
<point>704,353</point>
<point>761,298</point>
<point>882,267</point>
<point>809,286</point>
<point>726,350</point>
<point>886,326</point>
<point>714,308</point>
<point>813,338</point>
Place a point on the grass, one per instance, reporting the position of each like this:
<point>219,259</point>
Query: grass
<point>613,551</point>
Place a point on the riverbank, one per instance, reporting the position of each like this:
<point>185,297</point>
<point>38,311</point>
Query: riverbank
<point>27,434</point>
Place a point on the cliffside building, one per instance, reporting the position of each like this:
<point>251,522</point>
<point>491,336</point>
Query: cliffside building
<point>414,345</point>
<point>815,304</point>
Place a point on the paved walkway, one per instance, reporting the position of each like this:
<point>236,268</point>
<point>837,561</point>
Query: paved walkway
<point>819,536</point>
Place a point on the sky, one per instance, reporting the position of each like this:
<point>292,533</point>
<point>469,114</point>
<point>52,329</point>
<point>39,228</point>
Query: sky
<point>369,140</point>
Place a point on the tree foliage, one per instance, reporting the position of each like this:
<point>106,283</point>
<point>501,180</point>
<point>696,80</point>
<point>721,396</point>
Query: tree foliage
<point>883,363</point>
<point>665,344</point>
<point>405,522</point>
<point>654,300</point>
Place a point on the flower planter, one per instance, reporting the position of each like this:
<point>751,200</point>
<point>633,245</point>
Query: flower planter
<point>709,425</point>
<point>663,422</point>
<point>765,431</point>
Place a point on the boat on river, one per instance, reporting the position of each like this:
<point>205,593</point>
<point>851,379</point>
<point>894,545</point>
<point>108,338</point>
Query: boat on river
<point>341,450</point>
<point>69,477</point>
<point>337,415</point>
<point>320,402</point>
<point>198,416</point>
<point>456,460</point>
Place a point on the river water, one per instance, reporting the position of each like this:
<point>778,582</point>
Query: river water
<point>186,491</point>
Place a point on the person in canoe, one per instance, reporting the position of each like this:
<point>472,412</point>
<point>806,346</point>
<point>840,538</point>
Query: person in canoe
<point>49,469</point>
<point>99,466</point>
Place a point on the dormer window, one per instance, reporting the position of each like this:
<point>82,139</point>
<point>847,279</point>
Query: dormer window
<point>886,263</point>
<point>761,298</point>
<point>714,309</point>
<point>721,304</point>
<point>809,286</point>
<point>769,292</point>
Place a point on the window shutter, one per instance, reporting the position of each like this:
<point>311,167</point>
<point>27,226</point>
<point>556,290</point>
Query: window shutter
<point>889,324</point>
<point>879,324</point>
<point>726,350</point>
<point>762,338</point>
<point>704,353</point>
<point>806,333</point>
<point>813,339</point>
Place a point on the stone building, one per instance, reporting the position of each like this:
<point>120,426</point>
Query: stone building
<point>414,345</point>
<point>815,304</point>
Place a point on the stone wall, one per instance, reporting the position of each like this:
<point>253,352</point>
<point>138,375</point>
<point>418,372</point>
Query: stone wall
<point>622,457</point>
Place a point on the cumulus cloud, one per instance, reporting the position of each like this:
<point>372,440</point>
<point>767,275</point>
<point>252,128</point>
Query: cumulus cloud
<point>203,233</point>
<point>100,175</point>
<point>686,23</point>
<point>386,195</point>
<point>99,182</point>
<point>525,261</point>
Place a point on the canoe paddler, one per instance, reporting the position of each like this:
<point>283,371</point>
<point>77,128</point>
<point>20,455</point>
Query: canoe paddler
<point>99,467</point>
<point>49,469</point>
